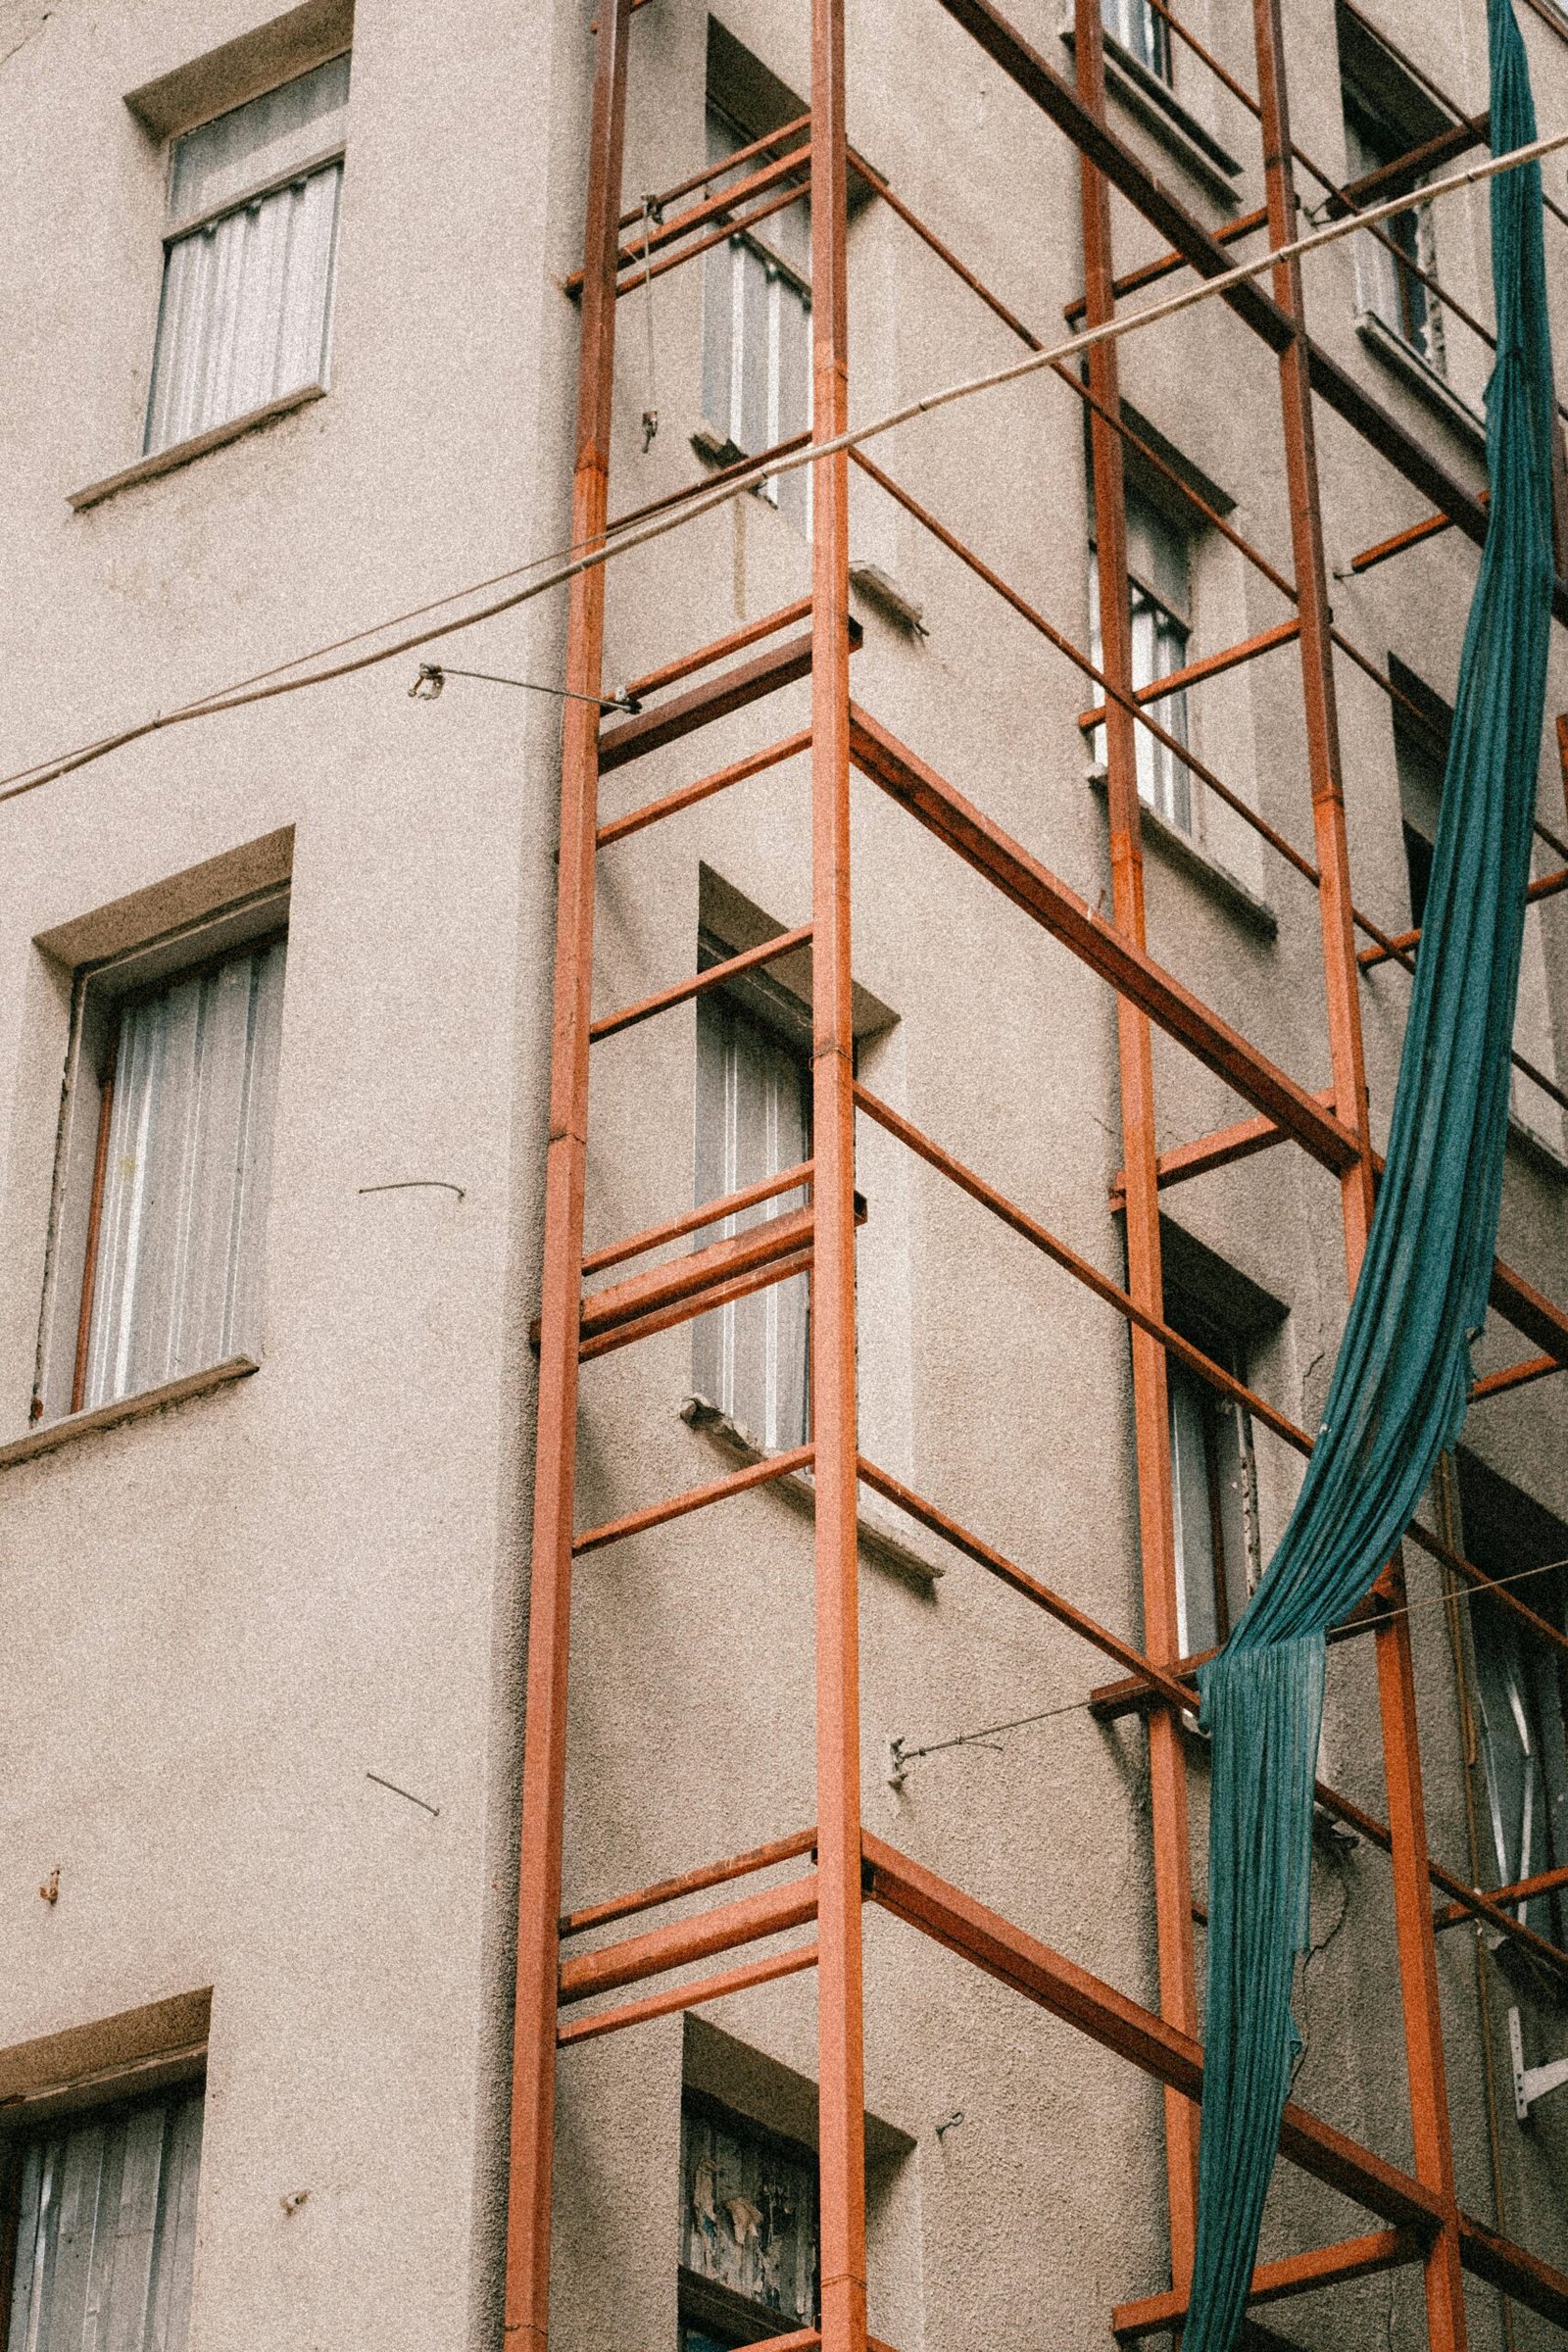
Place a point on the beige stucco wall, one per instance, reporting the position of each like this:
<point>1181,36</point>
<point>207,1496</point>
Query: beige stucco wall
<point>220,1621</point>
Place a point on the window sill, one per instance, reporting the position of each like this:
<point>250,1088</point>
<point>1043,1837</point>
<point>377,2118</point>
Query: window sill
<point>1163,116</point>
<point>886,1535</point>
<point>1204,867</point>
<point>51,1434</point>
<point>1537,1148</point>
<point>184,453</point>
<point>1422,378</point>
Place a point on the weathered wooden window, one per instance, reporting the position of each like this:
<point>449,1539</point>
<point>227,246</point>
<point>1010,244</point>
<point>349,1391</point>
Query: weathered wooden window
<point>103,2228</point>
<point>248,256</point>
<point>749,1357</point>
<point>162,1187</point>
<point>748,2231</point>
<point>756,334</point>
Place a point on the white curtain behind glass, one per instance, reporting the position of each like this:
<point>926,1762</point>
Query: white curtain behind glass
<point>749,1357</point>
<point>177,1285</point>
<point>246,310</point>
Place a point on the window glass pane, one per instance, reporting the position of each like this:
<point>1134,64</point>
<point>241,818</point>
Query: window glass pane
<point>752,1121</point>
<point>252,143</point>
<point>176,1284</point>
<point>1136,26</point>
<point>246,310</point>
<point>106,2232</point>
<point>756,340</point>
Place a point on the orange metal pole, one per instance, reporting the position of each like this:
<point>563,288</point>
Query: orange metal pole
<point>840,1996</point>
<point>1417,1951</point>
<point>533,2064</point>
<point>1167,1767</point>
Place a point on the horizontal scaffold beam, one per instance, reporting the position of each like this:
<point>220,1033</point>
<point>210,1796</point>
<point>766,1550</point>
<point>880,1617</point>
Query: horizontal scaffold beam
<point>1031,886</point>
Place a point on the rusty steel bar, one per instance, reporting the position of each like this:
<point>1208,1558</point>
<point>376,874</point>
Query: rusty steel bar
<point>719,649</point>
<point>714,976</point>
<point>703,179</point>
<point>1503,1596</point>
<point>716,236</point>
<point>1274,2282</point>
<point>732,690</point>
<point>652,812</point>
<point>1545,886</point>
<point>730,1204</point>
<point>1513,1376</point>
<point>688,1997</point>
<point>640,1294</point>
<point>1095,2008</point>
<point>695,1499</point>
<point>1032,887</point>
<point>1166,265</point>
<point>1123,697</point>
<point>1417,1951</point>
<point>841,2033</point>
<point>712,479</point>
<point>689,1881</point>
<point>752,1274</point>
<point>1411,537</point>
<point>770,1911</point>
<point>1543,1883</point>
<point>1146,1321</point>
<point>1126,171</point>
<point>526,2320</point>
<point>670,231</point>
<point>1209,666</point>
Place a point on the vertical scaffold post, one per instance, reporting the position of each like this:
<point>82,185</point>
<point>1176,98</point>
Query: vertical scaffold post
<point>533,2060</point>
<point>1401,1756</point>
<point>1173,1888</point>
<point>841,2052</point>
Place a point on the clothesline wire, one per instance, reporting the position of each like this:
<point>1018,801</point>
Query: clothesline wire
<point>264,685</point>
<point>1076,1707</point>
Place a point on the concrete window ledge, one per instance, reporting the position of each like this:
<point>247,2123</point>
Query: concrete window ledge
<point>1162,115</point>
<point>52,1434</point>
<point>1423,379</point>
<point>184,453</point>
<point>886,1534</point>
<point>1201,865</point>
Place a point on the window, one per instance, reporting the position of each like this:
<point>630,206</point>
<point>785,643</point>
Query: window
<point>161,1194</point>
<point>1387,117</point>
<point>1160,595</point>
<point>103,2211</point>
<point>748,2231</point>
<point>750,1356</point>
<point>248,256</point>
<point>1214,1483</point>
<point>1142,31</point>
<point>1521,1688</point>
<point>756,334</point>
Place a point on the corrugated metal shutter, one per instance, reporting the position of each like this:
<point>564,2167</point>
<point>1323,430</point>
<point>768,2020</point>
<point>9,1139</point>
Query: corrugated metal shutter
<point>106,2235</point>
<point>178,1282</point>
<point>247,300</point>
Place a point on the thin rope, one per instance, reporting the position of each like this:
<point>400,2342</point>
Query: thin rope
<point>30,779</point>
<point>990,1731</point>
<point>652,212</point>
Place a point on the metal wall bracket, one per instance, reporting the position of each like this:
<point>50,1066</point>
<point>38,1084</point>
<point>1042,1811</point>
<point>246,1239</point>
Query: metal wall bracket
<point>1531,2082</point>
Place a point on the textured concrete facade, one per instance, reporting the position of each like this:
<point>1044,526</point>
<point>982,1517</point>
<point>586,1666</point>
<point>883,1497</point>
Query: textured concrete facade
<point>228,1624</point>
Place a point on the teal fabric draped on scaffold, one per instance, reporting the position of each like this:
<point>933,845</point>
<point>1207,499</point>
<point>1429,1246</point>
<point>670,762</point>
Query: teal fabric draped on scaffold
<point>1399,1390</point>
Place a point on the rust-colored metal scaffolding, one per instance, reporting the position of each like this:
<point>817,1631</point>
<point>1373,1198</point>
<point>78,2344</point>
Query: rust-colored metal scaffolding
<point>845,1868</point>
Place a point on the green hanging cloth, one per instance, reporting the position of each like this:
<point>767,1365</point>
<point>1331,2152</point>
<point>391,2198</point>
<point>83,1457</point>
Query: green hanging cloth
<point>1398,1391</point>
